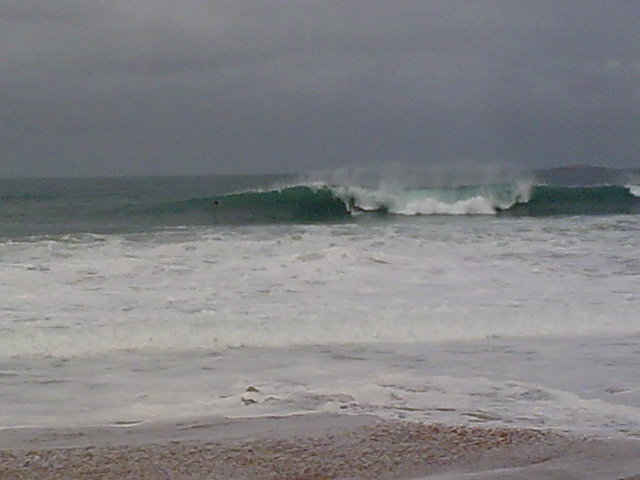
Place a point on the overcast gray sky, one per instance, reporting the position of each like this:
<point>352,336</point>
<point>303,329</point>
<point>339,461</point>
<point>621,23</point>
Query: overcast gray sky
<point>193,86</point>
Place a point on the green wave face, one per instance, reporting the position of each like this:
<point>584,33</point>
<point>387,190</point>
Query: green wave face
<point>602,200</point>
<point>299,204</point>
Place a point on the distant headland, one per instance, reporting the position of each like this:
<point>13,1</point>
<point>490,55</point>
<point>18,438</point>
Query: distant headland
<point>582,175</point>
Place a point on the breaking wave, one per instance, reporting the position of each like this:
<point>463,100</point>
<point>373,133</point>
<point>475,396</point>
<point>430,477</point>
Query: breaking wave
<point>315,202</point>
<point>310,202</point>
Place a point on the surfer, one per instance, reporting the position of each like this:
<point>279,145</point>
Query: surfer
<point>351,205</point>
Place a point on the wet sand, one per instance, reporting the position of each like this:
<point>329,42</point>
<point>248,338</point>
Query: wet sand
<point>310,447</point>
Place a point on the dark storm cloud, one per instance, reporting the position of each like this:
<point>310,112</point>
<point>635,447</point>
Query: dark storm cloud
<point>180,87</point>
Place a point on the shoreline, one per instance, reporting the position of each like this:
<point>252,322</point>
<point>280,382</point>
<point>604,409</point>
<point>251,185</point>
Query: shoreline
<point>310,447</point>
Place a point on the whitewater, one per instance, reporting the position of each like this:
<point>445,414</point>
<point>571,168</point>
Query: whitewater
<point>129,301</point>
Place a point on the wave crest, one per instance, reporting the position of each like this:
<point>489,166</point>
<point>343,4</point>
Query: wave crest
<point>320,203</point>
<point>464,200</point>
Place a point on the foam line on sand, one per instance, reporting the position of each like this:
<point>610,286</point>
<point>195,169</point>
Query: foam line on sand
<point>310,447</point>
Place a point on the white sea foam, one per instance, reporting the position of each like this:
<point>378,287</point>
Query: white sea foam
<point>100,329</point>
<point>429,206</point>
<point>308,285</point>
<point>634,189</point>
<point>479,200</point>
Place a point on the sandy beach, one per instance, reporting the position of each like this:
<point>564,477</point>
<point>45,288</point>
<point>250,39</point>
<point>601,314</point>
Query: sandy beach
<point>319,446</point>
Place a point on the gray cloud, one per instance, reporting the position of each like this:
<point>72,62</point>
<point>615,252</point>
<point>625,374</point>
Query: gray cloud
<point>220,86</point>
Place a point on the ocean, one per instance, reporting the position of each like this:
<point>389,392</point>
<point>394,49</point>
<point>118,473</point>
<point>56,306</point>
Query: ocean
<point>497,300</point>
